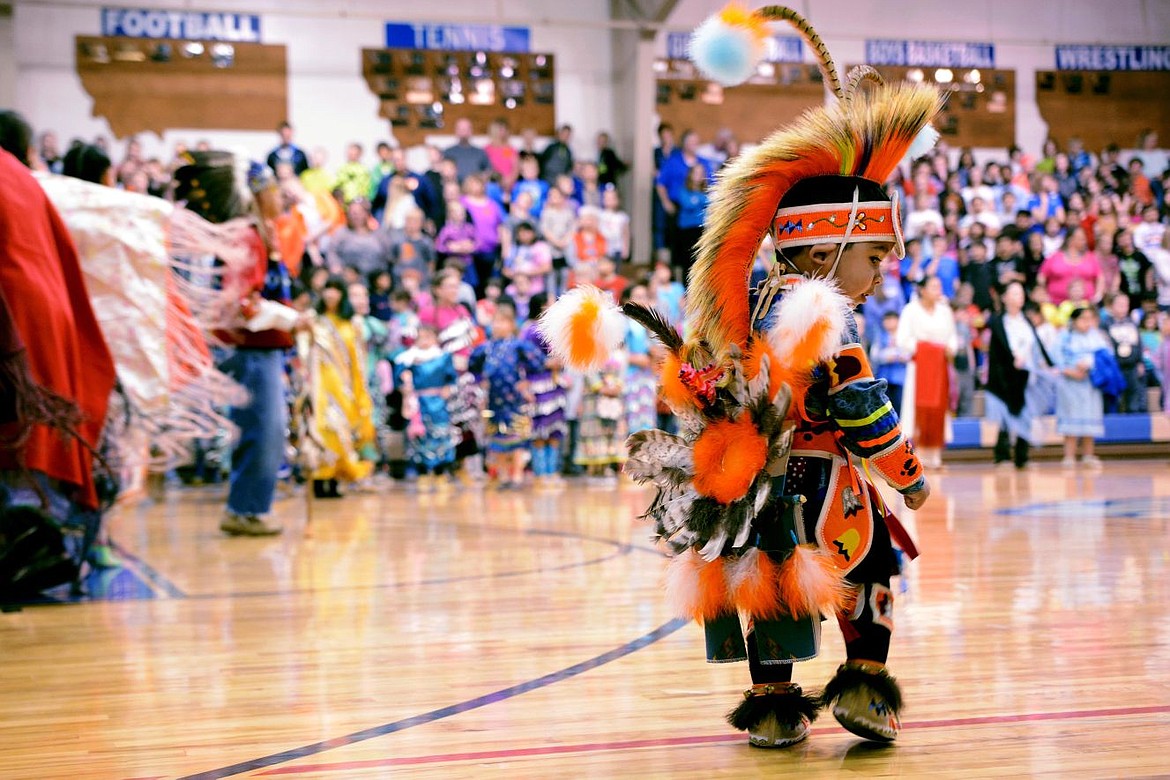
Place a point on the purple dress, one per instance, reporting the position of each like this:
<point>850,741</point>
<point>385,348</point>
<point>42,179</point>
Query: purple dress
<point>548,418</point>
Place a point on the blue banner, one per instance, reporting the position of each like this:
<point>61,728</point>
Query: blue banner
<point>780,48</point>
<point>1113,57</point>
<point>193,25</point>
<point>457,37</point>
<point>930,54</point>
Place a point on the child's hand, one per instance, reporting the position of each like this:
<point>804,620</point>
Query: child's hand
<point>917,499</point>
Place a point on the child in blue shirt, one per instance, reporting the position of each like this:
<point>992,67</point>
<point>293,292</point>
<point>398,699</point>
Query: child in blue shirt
<point>889,361</point>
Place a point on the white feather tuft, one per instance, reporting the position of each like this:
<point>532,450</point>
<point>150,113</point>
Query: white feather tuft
<point>714,547</point>
<point>923,142</point>
<point>683,592</point>
<point>726,53</point>
<point>583,328</point>
<point>741,569</point>
<point>810,301</point>
<point>811,584</point>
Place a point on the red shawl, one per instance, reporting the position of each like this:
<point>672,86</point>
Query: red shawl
<point>40,278</point>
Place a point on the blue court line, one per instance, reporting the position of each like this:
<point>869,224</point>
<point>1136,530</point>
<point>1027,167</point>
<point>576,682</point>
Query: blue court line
<point>663,631</point>
<point>1140,503</point>
<point>152,576</point>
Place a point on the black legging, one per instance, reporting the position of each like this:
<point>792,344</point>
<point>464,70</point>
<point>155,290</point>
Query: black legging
<point>871,644</point>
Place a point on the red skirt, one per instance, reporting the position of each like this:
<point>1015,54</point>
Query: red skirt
<point>931,395</point>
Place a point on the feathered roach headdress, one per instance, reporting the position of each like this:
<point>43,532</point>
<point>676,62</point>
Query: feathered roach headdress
<point>817,181</point>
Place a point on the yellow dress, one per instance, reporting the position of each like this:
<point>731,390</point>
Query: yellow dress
<point>342,418</point>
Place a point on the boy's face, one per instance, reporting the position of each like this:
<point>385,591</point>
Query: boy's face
<point>1119,308</point>
<point>859,272</point>
<point>503,325</point>
<point>890,323</point>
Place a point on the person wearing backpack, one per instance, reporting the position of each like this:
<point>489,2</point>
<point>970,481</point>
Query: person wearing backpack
<point>1080,406</point>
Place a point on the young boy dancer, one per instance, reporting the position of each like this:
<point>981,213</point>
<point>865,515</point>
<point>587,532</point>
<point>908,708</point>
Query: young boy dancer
<point>770,524</point>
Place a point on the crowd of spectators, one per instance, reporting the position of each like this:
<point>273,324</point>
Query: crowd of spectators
<point>517,222</point>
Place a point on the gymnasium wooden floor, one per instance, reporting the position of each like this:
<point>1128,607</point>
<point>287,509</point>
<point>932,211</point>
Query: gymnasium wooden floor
<point>487,634</point>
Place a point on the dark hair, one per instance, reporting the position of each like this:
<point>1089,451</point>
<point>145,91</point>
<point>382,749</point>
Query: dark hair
<point>703,183</point>
<point>383,145</point>
<point>1077,312</point>
<point>297,289</point>
<point>536,304</point>
<point>925,280</point>
<point>401,295</point>
<point>665,126</point>
<point>629,290</point>
<point>208,186</point>
<point>344,309</point>
<point>85,162</point>
<point>15,135</point>
<point>284,125</point>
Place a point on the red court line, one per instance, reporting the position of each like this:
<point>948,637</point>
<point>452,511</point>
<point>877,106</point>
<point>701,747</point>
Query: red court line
<point>708,739</point>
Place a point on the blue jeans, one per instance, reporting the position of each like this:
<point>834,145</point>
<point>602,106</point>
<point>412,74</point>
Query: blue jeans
<point>262,423</point>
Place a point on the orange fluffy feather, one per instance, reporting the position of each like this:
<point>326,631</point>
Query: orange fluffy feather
<point>728,457</point>
<point>714,598</point>
<point>673,390</point>
<point>810,583</point>
<point>754,588</point>
<point>797,366</point>
<point>751,365</point>
<point>697,589</point>
<point>582,339</point>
